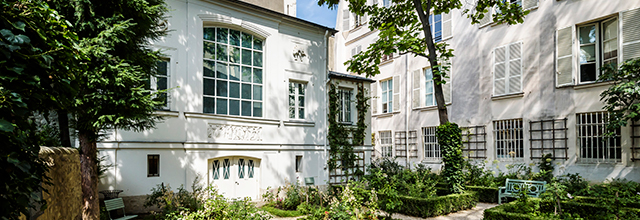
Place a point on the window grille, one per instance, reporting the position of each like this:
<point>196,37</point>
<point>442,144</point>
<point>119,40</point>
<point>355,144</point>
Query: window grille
<point>413,147</point>
<point>431,146</point>
<point>386,144</point>
<point>341,176</point>
<point>635,140</point>
<point>153,165</point>
<point>548,137</point>
<point>401,144</point>
<point>474,140</point>
<point>508,138</point>
<point>594,146</point>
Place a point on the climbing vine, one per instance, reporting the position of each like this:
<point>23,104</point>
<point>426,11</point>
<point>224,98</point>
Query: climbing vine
<point>449,139</point>
<point>340,144</point>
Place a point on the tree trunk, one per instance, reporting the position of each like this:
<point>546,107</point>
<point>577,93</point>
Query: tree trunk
<point>433,59</point>
<point>63,125</point>
<point>89,172</point>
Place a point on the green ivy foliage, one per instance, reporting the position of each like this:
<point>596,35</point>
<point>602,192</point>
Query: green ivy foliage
<point>450,141</point>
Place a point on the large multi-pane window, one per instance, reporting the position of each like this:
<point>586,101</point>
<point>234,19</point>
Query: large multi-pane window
<point>161,82</point>
<point>598,47</point>
<point>508,137</point>
<point>431,147</point>
<point>296,100</point>
<point>345,105</point>
<point>386,143</point>
<point>233,72</point>
<point>430,98</point>
<point>387,95</point>
<point>594,145</point>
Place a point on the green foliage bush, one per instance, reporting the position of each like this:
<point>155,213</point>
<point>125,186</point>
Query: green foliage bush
<point>435,206</point>
<point>164,198</point>
<point>449,138</point>
<point>485,194</point>
<point>355,202</point>
<point>217,207</point>
<point>281,213</point>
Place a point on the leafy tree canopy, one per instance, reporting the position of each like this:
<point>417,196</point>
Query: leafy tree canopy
<point>622,99</point>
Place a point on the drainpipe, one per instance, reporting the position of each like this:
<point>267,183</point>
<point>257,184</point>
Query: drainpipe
<point>326,83</point>
<point>407,107</point>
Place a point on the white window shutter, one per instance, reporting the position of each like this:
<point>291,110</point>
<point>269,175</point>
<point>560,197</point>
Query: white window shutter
<point>446,88</point>
<point>353,24</point>
<point>529,4</point>
<point>515,68</point>
<point>345,20</point>
<point>564,56</point>
<point>499,70</point>
<point>415,98</point>
<point>630,34</point>
<point>358,49</point>
<point>396,93</point>
<point>447,26</point>
<point>353,51</point>
<point>374,98</point>
<point>487,19</point>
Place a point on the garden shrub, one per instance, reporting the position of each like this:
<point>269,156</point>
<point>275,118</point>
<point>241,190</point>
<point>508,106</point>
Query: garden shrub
<point>280,212</point>
<point>546,169</point>
<point>477,175</point>
<point>435,206</point>
<point>164,198</point>
<point>485,194</point>
<point>217,207</point>
<point>574,183</point>
<point>355,202</point>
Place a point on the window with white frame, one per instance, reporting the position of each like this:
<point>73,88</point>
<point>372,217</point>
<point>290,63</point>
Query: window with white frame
<point>507,69</point>
<point>233,72</point>
<point>161,81</point>
<point>598,47</point>
<point>594,145</point>
<point>427,88</point>
<point>431,146</point>
<point>296,100</point>
<point>508,136</point>
<point>429,91</point>
<point>386,144</point>
<point>386,3</point>
<point>345,105</point>
<point>435,21</point>
<point>387,95</point>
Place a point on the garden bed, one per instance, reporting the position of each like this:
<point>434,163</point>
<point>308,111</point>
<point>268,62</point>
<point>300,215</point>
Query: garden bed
<point>574,207</point>
<point>280,212</point>
<point>435,206</point>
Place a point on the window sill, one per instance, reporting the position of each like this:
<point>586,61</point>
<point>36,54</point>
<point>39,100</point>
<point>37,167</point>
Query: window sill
<point>356,28</point>
<point>518,159</point>
<point>508,96</point>
<point>167,113</point>
<point>384,115</point>
<point>386,62</point>
<point>592,85</point>
<point>232,118</point>
<point>431,161</point>
<point>429,108</point>
<point>300,123</point>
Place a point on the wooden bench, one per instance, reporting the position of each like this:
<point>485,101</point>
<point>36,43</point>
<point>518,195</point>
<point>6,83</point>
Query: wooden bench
<point>513,187</point>
<point>115,204</point>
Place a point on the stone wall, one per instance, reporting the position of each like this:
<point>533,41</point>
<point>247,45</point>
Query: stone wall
<point>64,197</point>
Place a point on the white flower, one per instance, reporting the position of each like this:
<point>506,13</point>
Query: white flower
<point>569,195</point>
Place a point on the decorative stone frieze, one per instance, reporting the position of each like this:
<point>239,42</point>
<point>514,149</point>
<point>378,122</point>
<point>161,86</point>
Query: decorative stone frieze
<point>234,132</point>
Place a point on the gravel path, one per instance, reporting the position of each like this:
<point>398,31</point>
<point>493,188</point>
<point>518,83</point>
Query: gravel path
<point>473,214</point>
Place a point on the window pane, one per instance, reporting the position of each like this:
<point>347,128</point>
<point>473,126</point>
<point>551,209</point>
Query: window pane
<point>587,54</point>
<point>222,35</point>
<point>234,55</point>
<point>384,97</point>
<point>587,34</point>
<point>162,68</point>
<point>234,90</point>
<point>429,87</point>
<point>610,49</point>
<point>209,34</point>
<point>610,29</point>
<point>221,71</point>
<point>292,100</point>
<point>209,105</point>
<point>428,75</point>
<point>221,88</point>
<point>162,83</point>
<point>209,50</point>
<point>429,100</point>
<point>257,109</point>
<point>257,75</point>
<point>246,74</point>
<point>234,107</point>
<point>301,101</point>
<point>257,59</point>
<point>301,89</point>
<point>221,53</point>
<point>221,106</point>
<point>209,87</point>
<point>209,68</point>
<point>246,108</point>
<point>301,113</point>
<point>246,40</point>
<point>257,44</point>
<point>234,37</point>
<point>246,57</point>
<point>588,72</point>
<point>257,92</point>
<point>292,112</point>
<point>292,88</point>
<point>234,72</point>
<point>246,91</point>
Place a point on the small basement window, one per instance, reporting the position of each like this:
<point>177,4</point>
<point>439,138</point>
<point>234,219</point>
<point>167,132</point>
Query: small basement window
<point>298,163</point>
<point>153,165</point>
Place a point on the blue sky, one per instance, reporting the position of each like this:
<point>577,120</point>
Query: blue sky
<point>310,11</point>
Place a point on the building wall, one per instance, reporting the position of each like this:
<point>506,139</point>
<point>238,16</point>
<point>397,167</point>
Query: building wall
<point>473,102</point>
<point>188,140</point>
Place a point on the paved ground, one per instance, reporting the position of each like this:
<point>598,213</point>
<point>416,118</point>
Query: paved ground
<point>472,214</point>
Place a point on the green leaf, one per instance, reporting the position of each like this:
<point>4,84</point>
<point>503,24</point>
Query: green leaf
<point>19,25</point>
<point>6,126</point>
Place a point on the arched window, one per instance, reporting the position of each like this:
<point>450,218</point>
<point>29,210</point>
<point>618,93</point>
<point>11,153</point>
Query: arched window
<point>233,72</point>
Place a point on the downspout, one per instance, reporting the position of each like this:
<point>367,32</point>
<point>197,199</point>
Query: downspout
<point>407,107</point>
<point>326,83</point>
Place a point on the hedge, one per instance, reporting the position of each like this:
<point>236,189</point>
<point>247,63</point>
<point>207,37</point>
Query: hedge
<point>585,210</point>
<point>485,194</point>
<point>281,213</point>
<point>498,213</point>
<point>436,206</point>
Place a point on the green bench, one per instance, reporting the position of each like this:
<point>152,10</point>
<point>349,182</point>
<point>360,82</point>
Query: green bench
<point>513,187</point>
<point>115,204</point>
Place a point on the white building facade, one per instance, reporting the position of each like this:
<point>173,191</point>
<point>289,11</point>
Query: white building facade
<point>518,91</point>
<point>245,110</point>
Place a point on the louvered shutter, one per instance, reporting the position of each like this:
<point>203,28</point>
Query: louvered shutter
<point>514,83</point>
<point>396,93</point>
<point>529,4</point>
<point>374,98</point>
<point>630,34</point>
<point>345,20</point>
<point>564,56</point>
<point>487,19</point>
<point>447,26</point>
<point>446,88</point>
<point>499,70</point>
<point>415,99</point>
